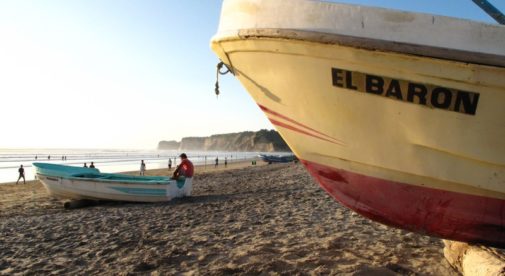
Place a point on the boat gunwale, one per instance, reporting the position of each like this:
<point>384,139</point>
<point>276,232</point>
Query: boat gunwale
<point>78,173</point>
<point>372,44</point>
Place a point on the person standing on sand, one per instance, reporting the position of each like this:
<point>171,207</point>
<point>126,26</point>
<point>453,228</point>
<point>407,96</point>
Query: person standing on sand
<point>142,168</point>
<point>169,164</point>
<point>217,162</point>
<point>187,170</point>
<point>21,171</point>
<point>226,162</point>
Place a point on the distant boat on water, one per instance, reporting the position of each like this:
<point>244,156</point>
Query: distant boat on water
<point>270,158</point>
<point>69,182</point>
<point>400,116</point>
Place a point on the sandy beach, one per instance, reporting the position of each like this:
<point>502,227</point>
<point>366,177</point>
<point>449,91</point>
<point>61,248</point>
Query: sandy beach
<point>265,219</point>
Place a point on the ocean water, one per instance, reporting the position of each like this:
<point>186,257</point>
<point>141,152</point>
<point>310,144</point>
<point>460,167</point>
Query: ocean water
<point>106,160</point>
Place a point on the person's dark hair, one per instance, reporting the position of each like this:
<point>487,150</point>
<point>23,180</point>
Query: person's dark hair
<point>183,155</point>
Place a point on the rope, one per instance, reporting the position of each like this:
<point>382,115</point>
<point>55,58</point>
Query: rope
<point>491,10</point>
<point>219,72</point>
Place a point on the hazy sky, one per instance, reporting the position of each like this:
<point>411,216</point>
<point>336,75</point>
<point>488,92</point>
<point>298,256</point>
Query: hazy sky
<point>128,73</point>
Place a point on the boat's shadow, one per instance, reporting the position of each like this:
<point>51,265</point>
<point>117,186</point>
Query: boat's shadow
<point>77,204</point>
<point>84,203</point>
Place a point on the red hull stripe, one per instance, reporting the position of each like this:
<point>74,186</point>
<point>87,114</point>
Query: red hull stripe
<point>445,214</point>
<point>277,123</point>
<point>267,110</point>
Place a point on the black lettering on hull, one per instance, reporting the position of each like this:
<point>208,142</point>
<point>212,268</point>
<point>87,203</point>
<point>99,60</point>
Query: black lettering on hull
<point>423,94</point>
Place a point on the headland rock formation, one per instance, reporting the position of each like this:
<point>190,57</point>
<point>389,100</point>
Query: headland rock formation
<point>262,141</point>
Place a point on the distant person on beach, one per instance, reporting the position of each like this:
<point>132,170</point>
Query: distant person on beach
<point>226,162</point>
<point>217,162</point>
<point>36,157</point>
<point>21,171</point>
<point>85,165</point>
<point>92,165</point>
<point>187,170</point>
<point>169,164</point>
<point>49,157</point>
<point>142,167</point>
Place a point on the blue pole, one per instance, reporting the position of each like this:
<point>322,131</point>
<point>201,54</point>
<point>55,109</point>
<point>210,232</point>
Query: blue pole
<point>491,10</point>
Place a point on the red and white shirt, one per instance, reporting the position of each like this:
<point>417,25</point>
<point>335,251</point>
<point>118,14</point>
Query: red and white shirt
<point>186,168</point>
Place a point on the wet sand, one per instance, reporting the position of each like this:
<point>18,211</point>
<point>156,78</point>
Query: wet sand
<point>268,219</point>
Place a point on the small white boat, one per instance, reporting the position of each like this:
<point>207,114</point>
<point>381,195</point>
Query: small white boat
<point>68,182</point>
<point>270,158</point>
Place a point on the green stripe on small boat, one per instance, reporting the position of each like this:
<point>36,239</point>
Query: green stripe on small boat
<point>180,182</point>
<point>141,191</point>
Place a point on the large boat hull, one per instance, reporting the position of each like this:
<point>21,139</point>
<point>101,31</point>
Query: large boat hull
<point>409,140</point>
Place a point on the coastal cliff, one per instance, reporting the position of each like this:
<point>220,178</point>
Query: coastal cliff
<point>263,141</point>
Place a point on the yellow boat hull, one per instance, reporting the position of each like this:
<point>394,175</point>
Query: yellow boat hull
<point>412,141</point>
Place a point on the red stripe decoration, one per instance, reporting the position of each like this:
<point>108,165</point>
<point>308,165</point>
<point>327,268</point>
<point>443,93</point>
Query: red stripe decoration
<point>441,213</point>
<point>275,122</point>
